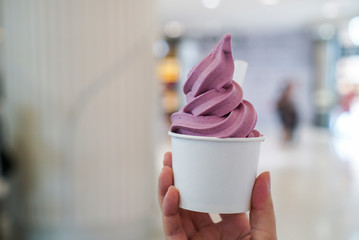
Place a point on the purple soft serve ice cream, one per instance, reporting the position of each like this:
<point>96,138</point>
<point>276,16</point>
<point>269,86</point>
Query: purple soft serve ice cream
<point>215,105</point>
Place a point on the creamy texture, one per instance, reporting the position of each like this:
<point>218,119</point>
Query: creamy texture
<point>215,105</point>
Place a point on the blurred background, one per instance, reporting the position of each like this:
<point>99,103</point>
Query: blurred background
<point>87,88</point>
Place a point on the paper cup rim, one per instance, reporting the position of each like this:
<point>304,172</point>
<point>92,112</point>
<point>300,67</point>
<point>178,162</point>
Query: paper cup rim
<point>216,139</point>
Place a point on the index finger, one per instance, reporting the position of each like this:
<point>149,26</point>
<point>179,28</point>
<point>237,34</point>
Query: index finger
<point>262,219</point>
<point>165,179</point>
<point>167,160</point>
<point>172,222</point>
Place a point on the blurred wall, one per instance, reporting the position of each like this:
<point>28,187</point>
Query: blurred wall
<point>79,96</point>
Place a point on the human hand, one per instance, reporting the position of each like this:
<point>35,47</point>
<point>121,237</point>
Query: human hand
<point>181,224</point>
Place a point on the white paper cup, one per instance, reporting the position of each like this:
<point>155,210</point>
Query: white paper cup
<point>215,175</point>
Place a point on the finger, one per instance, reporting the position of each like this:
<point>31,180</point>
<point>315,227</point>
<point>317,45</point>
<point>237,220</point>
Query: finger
<point>262,219</point>
<point>167,160</point>
<point>187,223</point>
<point>237,223</point>
<point>165,180</point>
<point>238,217</point>
<point>200,220</point>
<point>172,222</point>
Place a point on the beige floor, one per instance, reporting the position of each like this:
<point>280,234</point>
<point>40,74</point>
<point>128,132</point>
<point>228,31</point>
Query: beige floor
<point>316,192</point>
<point>315,185</point>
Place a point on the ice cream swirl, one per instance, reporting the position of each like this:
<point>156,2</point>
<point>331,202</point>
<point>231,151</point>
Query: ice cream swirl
<point>215,105</point>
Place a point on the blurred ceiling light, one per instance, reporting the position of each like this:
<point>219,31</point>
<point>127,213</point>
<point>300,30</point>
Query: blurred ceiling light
<point>173,29</point>
<point>160,48</point>
<point>326,31</point>
<point>347,68</point>
<point>330,10</point>
<point>211,4</point>
<point>346,130</point>
<point>353,29</point>
<point>169,70</point>
<point>270,2</point>
<point>170,101</point>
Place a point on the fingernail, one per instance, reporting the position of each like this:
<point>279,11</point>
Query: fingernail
<point>171,188</point>
<point>165,155</point>
<point>164,159</point>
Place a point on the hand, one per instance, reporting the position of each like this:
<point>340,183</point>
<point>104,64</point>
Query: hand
<point>180,224</point>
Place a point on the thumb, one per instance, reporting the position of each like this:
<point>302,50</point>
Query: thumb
<point>262,217</point>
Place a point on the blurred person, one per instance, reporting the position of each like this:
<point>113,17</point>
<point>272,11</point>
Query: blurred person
<point>287,112</point>
<point>6,167</point>
<point>6,161</point>
<point>181,224</point>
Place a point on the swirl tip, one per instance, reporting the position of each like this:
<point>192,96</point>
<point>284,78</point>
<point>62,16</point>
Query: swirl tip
<point>226,46</point>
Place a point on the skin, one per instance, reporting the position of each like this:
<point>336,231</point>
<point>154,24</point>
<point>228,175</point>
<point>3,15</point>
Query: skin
<point>180,224</point>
